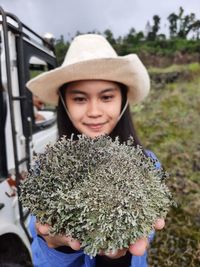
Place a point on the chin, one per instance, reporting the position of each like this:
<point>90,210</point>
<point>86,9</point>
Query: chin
<point>93,135</point>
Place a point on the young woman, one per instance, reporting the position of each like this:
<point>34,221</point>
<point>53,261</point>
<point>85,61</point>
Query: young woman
<point>92,90</point>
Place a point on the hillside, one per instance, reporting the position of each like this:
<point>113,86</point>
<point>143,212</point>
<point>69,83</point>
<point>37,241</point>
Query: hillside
<point>168,124</point>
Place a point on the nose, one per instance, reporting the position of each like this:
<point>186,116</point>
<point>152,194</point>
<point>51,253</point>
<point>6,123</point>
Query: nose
<point>94,110</point>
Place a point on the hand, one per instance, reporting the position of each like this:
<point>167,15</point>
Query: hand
<point>39,117</point>
<point>57,240</point>
<point>37,102</point>
<point>138,248</point>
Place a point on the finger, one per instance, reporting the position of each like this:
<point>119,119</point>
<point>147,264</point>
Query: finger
<point>73,243</point>
<point>101,253</point>
<point>42,229</point>
<point>115,254</point>
<point>139,247</point>
<point>60,240</point>
<point>159,224</point>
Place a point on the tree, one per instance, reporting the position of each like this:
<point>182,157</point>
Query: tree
<point>172,18</point>
<point>61,48</point>
<point>154,29</point>
<point>156,25</point>
<point>130,38</point>
<point>180,25</point>
<point>109,36</point>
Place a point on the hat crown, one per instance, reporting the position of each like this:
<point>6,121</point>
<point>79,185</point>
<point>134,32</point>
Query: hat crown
<point>88,47</point>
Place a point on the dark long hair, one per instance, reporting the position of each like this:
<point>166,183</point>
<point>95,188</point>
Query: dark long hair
<point>124,128</point>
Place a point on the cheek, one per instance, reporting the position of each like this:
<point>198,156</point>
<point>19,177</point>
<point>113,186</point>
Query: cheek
<point>76,114</point>
<point>114,114</point>
<point>75,111</point>
<point>114,110</point>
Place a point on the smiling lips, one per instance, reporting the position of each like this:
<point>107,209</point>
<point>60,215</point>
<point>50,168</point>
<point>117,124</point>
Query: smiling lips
<point>95,126</point>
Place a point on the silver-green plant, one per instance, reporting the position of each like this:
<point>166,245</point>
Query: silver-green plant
<point>101,192</point>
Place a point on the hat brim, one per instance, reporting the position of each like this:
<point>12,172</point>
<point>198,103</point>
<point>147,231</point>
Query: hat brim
<point>128,70</point>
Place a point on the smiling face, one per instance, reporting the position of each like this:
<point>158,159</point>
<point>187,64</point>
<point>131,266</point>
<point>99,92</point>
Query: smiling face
<point>94,106</point>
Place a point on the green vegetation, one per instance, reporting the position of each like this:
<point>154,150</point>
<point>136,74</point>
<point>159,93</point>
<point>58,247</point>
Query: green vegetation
<point>183,38</point>
<point>143,47</point>
<point>193,68</point>
<point>168,124</point>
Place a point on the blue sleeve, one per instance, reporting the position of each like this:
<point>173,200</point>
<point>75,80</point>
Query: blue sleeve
<point>153,156</point>
<point>141,261</point>
<point>43,256</point>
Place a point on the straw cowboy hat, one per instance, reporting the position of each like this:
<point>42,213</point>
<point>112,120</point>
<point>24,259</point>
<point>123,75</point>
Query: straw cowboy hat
<point>91,57</point>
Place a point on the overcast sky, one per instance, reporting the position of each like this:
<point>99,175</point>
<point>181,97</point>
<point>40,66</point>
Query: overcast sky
<point>68,16</point>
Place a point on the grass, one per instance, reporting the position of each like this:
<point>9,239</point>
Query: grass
<point>168,123</point>
<point>194,68</point>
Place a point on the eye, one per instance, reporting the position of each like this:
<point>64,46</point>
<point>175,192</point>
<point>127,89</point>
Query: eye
<point>79,99</point>
<point>107,98</point>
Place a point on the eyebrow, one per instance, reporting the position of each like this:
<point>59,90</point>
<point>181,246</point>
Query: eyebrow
<point>76,91</point>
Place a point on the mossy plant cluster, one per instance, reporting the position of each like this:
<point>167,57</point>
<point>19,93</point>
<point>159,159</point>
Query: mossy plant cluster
<point>101,192</point>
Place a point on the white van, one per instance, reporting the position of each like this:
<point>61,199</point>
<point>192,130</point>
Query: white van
<point>23,54</point>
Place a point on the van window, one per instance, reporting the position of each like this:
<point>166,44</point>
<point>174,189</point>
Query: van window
<point>43,115</point>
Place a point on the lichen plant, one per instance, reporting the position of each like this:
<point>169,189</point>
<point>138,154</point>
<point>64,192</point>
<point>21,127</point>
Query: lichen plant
<point>101,192</point>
